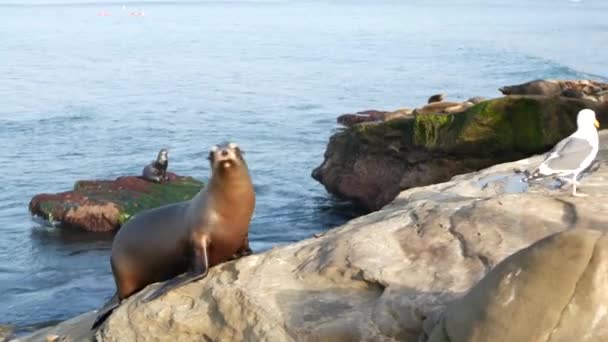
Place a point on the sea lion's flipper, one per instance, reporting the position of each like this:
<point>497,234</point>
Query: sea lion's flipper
<point>106,311</point>
<point>201,268</point>
<point>243,251</point>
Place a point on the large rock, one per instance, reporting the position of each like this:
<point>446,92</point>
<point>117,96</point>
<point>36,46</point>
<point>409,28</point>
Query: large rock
<point>371,163</point>
<point>384,276</point>
<point>554,290</point>
<point>104,205</point>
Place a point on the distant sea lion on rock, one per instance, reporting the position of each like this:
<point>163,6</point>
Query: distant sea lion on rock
<point>536,87</point>
<point>476,99</point>
<point>190,236</point>
<point>443,108</point>
<point>156,171</point>
<point>436,98</point>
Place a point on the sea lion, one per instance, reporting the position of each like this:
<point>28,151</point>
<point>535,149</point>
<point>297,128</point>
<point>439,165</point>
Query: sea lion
<point>436,98</point>
<point>442,108</point>
<point>477,99</point>
<point>156,171</point>
<point>190,236</point>
<point>536,87</point>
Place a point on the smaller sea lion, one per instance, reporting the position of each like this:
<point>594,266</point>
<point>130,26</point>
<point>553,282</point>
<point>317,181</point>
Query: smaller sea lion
<point>156,171</point>
<point>573,93</point>
<point>436,98</point>
<point>476,99</point>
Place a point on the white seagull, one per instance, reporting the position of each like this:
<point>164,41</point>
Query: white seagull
<point>573,154</point>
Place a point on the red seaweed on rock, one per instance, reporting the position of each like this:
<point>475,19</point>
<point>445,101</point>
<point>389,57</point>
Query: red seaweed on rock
<point>104,205</point>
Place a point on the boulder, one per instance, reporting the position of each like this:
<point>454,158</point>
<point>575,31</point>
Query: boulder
<point>104,205</point>
<point>371,163</point>
<point>554,290</point>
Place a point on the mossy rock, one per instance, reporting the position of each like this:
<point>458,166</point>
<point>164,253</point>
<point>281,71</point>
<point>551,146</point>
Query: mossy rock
<point>371,162</point>
<point>519,125</point>
<point>105,205</point>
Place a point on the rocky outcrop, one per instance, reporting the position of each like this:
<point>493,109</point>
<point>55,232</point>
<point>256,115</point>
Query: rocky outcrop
<point>371,163</point>
<point>402,272</point>
<point>580,89</point>
<point>104,205</point>
<point>554,290</point>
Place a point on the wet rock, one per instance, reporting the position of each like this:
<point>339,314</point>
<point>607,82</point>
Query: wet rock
<point>371,164</point>
<point>104,205</point>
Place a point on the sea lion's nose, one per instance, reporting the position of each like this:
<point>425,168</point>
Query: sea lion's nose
<point>224,153</point>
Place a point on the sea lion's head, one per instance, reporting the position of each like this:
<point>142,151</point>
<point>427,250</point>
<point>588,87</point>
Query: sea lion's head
<point>163,155</point>
<point>226,158</point>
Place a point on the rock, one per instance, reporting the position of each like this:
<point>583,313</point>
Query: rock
<point>436,98</point>
<point>371,164</point>
<point>6,332</point>
<point>104,205</point>
<point>554,290</point>
<point>385,276</point>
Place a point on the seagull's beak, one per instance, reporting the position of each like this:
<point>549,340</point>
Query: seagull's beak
<point>596,124</point>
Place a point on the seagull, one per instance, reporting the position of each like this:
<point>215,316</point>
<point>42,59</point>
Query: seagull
<point>573,154</point>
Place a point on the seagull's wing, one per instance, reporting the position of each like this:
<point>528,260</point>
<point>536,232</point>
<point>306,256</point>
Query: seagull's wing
<point>569,155</point>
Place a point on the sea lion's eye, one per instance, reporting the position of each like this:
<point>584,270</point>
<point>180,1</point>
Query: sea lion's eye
<point>210,156</point>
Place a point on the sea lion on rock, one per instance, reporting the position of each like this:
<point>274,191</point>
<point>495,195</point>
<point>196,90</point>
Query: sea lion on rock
<point>477,99</point>
<point>190,236</point>
<point>156,171</point>
<point>536,87</point>
<point>443,108</point>
<point>436,98</point>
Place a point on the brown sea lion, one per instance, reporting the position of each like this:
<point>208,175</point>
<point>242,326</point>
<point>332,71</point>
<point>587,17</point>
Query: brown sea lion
<point>536,87</point>
<point>436,98</point>
<point>156,171</point>
<point>442,107</point>
<point>190,236</point>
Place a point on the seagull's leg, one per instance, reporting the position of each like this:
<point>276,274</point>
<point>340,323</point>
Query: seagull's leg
<point>574,193</point>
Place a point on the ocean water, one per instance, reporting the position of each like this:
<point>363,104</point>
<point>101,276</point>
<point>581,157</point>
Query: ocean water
<point>90,90</point>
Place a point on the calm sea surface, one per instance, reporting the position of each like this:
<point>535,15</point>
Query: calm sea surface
<point>90,96</point>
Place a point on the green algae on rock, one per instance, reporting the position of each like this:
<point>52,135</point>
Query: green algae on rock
<point>105,205</point>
